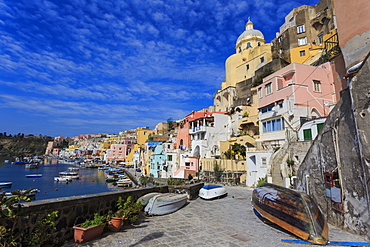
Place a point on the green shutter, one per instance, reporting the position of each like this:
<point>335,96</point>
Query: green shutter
<point>307,134</point>
<point>319,126</point>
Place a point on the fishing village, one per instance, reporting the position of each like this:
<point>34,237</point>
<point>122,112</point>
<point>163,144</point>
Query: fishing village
<point>281,157</point>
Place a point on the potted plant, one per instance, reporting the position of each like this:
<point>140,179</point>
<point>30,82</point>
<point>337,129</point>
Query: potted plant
<point>128,210</point>
<point>89,229</point>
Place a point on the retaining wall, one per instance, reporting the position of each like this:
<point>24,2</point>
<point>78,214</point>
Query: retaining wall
<point>76,209</point>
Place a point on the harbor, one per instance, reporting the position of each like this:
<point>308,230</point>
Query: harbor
<point>56,180</point>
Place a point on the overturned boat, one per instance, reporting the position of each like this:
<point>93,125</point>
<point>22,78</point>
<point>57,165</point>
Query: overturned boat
<point>212,191</point>
<point>145,198</point>
<point>165,203</point>
<point>293,211</point>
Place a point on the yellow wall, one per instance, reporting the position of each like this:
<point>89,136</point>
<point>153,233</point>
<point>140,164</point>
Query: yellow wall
<point>143,134</point>
<point>236,64</point>
<point>226,165</point>
<point>72,147</point>
<point>309,50</point>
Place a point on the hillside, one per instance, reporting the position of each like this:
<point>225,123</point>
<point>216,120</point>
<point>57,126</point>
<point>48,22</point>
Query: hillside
<point>21,145</point>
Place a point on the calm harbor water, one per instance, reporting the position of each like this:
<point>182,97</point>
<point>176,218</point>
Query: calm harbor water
<point>91,180</point>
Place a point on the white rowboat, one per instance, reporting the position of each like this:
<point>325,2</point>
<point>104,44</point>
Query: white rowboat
<point>165,203</point>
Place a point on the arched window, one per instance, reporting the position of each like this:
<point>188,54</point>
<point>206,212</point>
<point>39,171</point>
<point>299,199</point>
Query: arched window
<point>249,45</point>
<point>259,43</point>
<point>240,49</point>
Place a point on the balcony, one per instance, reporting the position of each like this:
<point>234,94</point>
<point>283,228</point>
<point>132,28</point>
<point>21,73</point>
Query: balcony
<point>198,129</point>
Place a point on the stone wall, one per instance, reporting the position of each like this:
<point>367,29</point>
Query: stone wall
<point>335,171</point>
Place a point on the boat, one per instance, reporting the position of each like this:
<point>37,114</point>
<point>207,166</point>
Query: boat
<point>31,193</point>
<point>212,191</point>
<point>6,184</point>
<point>33,175</point>
<point>145,198</point>
<point>69,174</point>
<point>31,166</point>
<point>73,169</point>
<point>293,211</point>
<point>124,182</point>
<point>62,179</point>
<point>165,203</point>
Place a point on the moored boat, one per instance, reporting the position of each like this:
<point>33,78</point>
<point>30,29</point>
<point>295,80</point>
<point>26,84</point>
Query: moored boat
<point>124,182</point>
<point>212,191</point>
<point>33,175</point>
<point>293,211</point>
<point>31,166</point>
<point>62,179</point>
<point>165,203</point>
<point>6,184</point>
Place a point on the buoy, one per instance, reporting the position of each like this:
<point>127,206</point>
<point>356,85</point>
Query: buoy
<point>56,189</point>
<point>44,191</point>
<point>92,180</point>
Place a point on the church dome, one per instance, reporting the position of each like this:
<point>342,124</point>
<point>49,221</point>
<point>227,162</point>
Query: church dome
<point>250,33</point>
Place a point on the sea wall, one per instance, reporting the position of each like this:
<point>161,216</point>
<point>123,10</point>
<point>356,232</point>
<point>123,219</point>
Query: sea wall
<point>76,209</point>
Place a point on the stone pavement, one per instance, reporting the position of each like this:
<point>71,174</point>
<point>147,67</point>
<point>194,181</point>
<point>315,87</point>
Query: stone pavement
<point>228,221</point>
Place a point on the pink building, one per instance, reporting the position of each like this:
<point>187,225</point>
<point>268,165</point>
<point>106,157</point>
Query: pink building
<point>183,136</point>
<point>289,97</point>
<point>118,152</point>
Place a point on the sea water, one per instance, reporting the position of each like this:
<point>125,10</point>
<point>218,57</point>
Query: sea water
<point>91,180</point>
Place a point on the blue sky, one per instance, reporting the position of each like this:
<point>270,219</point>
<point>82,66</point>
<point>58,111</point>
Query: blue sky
<point>70,67</point>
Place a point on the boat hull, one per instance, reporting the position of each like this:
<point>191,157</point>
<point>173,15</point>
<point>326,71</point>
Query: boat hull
<point>6,184</point>
<point>165,203</point>
<point>212,191</point>
<point>293,211</point>
<point>145,198</point>
<point>34,176</point>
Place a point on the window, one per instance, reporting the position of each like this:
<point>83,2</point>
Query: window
<point>268,88</point>
<point>302,53</point>
<point>247,66</point>
<point>262,59</point>
<point>267,108</point>
<point>307,135</point>
<point>300,29</point>
<point>259,43</point>
<point>316,86</point>
<point>272,125</point>
<point>320,38</point>
<point>260,92</point>
<point>263,162</point>
<point>280,39</point>
<point>169,157</point>
<point>240,49</point>
<point>302,41</point>
<point>248,45</point>
<point>319,127</point>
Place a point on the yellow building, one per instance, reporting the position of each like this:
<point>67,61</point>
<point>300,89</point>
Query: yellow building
<point>143,133</point>
<point>252,53</point>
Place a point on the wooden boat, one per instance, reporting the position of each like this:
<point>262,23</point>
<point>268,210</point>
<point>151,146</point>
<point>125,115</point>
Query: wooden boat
<point>165,203</point>
<point>145,198</point>
<point>212,191</point>
<point>293,211</point>
<point>6,184</point>
<point>33,175</point>
<point>124,182</point>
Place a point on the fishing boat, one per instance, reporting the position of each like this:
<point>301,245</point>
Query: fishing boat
<point>62,179</point>
<point>145,198</point>
<point>165,203</point>
<point>293,211</point>
<point>6,184</point>
<point>33,175</point>
<point>124,182</point>
<point>212,191</point>
<point>31,166</point>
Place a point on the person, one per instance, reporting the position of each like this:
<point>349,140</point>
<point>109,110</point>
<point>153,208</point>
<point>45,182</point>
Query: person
<point>190,177</point>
